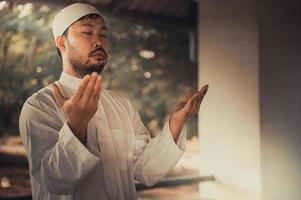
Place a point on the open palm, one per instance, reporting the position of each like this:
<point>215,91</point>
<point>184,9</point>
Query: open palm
<point>186,108</point>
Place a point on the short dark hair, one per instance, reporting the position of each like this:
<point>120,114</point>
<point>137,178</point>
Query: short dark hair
<point>89,16</point>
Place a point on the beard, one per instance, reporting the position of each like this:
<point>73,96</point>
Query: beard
<point>83,66</point>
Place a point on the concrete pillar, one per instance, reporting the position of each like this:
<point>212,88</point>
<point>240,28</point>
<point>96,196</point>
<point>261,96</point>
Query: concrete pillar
<point>229,120</point>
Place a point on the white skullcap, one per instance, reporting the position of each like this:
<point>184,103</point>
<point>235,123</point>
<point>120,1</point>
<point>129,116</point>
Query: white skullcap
<point>68,15</point>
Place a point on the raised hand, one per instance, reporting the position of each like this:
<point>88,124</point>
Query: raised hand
<point>187,107</point>
<point>81,107</point>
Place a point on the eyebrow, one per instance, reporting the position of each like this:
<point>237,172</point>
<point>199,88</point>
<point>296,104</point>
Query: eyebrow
<point>92,26</point>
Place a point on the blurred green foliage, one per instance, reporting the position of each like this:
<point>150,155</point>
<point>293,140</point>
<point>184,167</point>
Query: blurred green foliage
<point>148,64</point>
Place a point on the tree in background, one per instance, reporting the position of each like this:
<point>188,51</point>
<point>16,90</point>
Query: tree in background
<point>148,64</point>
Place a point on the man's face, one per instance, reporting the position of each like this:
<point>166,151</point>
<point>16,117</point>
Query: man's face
<point>87,46</point>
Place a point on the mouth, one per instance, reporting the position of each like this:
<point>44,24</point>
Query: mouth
<point>98,54</point>
<point>99,58</point>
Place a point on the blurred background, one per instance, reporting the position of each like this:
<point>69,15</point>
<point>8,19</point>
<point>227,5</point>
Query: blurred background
<point>150,62</point>
<point>245,143</point>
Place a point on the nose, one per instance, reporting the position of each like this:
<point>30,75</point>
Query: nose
<point>97,45</point>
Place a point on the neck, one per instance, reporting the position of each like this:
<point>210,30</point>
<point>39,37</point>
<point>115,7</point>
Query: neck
<point>67,68</point>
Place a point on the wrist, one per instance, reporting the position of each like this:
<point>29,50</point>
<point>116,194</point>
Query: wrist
<point>175,126</point>
<point>79,130</point>
<point>176,120</point>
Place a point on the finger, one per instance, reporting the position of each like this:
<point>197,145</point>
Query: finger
<point>195,105</point>
<point>190,105</point>
<point>100,87</point>
<point>178,107</point>
<point>188,95</point>
<point>94,100</point>
<point>203,92</point>
<point>193,98</point>
<point>184,100</point>
<point>79,92</point>
<point>96,91</point>
<point>198,105</point>
<point>89,89</point>
<point>58,96</point>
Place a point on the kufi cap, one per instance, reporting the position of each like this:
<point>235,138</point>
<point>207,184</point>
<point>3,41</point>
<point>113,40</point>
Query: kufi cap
<point>70,14</point>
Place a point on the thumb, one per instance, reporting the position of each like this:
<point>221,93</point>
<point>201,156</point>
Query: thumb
<point>187,95</point>
<point>59,98</point>
<point>183,101</point>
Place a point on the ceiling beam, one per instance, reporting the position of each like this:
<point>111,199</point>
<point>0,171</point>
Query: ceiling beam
<point>155,19</point>
<point>117,5</point>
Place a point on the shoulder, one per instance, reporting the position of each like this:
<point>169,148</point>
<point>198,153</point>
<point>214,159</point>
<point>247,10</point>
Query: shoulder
<point>42,100</point>
<point>118,98</point>
<point>113,94</point>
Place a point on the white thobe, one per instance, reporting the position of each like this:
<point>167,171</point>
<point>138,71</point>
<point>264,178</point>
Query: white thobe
<point>117,152</point>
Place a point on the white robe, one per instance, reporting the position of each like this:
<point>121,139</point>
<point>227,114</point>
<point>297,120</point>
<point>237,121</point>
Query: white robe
<point>118,150</point>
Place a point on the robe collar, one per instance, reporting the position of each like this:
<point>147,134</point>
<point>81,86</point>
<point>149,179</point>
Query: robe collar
<point>70,81</point>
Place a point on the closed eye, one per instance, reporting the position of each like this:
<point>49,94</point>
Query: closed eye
<point>87,33</point>
<point>103,35</point>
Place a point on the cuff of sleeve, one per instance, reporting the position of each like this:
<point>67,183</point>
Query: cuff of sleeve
<point>181,141</point>
<point>172,153</point>
<point>75,148</point>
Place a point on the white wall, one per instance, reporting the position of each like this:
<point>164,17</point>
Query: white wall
<point>229,121</point>
<point>280,83</point>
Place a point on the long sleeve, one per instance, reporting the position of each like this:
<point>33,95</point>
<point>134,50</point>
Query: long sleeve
<point>154,158</point>
<point>57,159</point>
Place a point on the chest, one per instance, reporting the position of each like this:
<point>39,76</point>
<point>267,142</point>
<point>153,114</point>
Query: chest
<point>111,131</point>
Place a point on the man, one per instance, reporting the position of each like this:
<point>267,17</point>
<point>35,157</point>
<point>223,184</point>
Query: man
<point>84,141</point>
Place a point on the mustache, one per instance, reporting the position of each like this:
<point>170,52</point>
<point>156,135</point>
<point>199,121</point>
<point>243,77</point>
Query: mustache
<point>98,50</point>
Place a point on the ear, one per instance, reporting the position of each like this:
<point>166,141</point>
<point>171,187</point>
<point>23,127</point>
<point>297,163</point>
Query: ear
<point>60,43</point>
